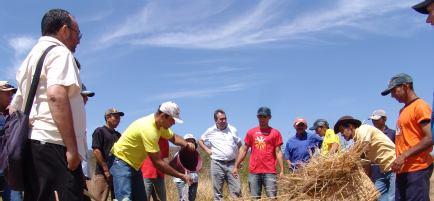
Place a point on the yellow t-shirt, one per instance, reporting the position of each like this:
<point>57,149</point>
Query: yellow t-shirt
<point>329,138</point>
<point>140,138</point>
<point>381,149</point>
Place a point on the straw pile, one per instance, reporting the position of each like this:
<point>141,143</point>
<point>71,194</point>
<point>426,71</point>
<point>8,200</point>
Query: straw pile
<point>336,177</point>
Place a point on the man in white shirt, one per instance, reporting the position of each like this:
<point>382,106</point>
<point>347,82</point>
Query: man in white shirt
<point>58,138</point>
<point>223,147</point>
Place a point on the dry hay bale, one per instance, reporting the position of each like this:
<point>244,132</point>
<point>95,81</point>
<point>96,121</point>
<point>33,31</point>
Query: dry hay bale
<point>336,177</point>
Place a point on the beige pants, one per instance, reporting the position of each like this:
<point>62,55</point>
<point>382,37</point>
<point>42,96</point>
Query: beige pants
<point>100,188</point>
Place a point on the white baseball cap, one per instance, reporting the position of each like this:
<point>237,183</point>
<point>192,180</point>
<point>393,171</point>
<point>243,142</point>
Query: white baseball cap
<point>377,114</point>
<point>171,108</point>
<point>189,136</point>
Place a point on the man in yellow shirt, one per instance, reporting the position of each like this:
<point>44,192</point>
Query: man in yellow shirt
<point>330,143</point>
<point>379,149</point>
<point>139,141</point>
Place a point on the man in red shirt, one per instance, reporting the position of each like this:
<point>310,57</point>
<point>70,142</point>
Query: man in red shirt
<point>153,178</point>
<point>265,143</point>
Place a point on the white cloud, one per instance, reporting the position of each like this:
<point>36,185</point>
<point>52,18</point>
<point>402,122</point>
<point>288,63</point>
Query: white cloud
<point>20,45</point>
<point>198,93</point>
<point>196,25</point>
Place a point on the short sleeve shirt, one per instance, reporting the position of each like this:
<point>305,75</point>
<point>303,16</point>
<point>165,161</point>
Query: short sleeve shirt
<point>148,169</point>
<point>330,138</point>
<point>263,143</point>
<point>140,138</point>
<point>103,139</point>
<point>59,68</point>
<point>299,148</point>
<point>381,149</point>
<point>224,143</point>
<point>409,133</point>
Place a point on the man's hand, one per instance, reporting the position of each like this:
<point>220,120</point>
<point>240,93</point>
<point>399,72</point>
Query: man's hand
<point>280,175</point>
<point>187,179</point>
<point>235,172</point>
<point>107,175</point>
<point>399,162</point>
<point>73,160</point>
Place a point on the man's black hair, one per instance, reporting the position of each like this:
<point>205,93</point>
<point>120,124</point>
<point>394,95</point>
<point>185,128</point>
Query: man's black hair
<point>53,20</point>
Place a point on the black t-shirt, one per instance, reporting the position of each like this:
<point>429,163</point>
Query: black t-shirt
<point>103,139</point>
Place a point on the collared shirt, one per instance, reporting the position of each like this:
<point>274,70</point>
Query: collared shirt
<point>103,139</point>
<point>59,68</point>
<point>298,149</point>
<point>381,149</point>
<point>224,143</point>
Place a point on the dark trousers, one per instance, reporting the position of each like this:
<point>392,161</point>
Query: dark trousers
<point>47,172</point>
<point>413,186</point>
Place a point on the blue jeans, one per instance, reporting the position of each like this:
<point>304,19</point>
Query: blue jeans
<point>268,180</point>
<point>192,190</point>
<point>385,184</point>
<point>127,182</point>
<point>8,194</point>
<point>155,188</point>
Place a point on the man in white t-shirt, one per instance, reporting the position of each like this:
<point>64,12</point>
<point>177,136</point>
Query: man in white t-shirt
<point>58,138</point>
<point>223,148</point>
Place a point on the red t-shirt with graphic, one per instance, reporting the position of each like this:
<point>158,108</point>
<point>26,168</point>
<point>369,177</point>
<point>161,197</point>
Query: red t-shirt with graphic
<point>263,143</point>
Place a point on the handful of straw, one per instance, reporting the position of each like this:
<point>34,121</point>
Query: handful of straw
<point>338,176</point>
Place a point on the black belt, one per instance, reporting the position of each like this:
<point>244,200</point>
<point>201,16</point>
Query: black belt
<point>45,143</point>
<point>222,161</point>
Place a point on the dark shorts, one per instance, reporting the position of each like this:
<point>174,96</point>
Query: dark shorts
<point>413,186</point>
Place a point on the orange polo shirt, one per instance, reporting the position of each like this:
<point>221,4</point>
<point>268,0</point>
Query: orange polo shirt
<point>409,133</point>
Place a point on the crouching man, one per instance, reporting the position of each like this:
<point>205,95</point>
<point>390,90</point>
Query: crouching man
<point>379,149</point>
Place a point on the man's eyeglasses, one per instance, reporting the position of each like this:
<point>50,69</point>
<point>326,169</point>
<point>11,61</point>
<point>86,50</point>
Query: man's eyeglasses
<point>79,34</point>
<point>262,116</point>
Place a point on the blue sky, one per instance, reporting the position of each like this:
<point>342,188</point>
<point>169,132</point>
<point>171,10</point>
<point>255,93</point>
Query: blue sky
<point>312,59</point>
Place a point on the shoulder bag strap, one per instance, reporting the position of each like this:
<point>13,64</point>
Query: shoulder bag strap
<point>35,81</point>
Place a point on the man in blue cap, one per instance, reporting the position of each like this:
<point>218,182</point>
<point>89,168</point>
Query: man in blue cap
<point>264,142</point>
<point>413,164</point>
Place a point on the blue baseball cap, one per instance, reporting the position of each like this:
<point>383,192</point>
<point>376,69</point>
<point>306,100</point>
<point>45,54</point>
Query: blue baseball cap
<point>396,80</point>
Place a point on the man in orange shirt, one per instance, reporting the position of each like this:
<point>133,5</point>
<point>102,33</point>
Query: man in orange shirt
<point>413,164</point>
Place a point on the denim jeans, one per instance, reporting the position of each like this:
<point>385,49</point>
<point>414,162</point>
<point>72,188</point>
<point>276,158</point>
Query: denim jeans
<point>268,180</point>
<point>127,182</point>
<point>192,190</point>
<point>155,188</point>
<point>221,172</point>
<point>385,184</point>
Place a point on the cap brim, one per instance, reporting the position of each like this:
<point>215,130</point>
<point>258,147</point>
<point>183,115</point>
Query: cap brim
<point>88,93</point>
<point>422,7</point>
<point>9,89</point>
<point>375,117</point>
<point>263,114</point>
<point>120,113</point>
<point>178,120</point>
<point>312,128</point>
<point>386,91</point>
